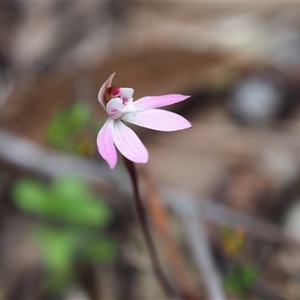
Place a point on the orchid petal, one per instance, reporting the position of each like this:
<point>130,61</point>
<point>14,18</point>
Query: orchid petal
<point>104,87</point>
<point>115,108</point>
<point>106,145</point>
<point>129,144</point>
<point>157,119</point>
<point>149,102</point>
<point>126,94</point>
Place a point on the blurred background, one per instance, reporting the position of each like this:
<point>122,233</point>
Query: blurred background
<point>223,197</point>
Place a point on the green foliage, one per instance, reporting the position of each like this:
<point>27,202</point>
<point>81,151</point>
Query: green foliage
<point>80,219</point>
<point>73,130</point>
<point>241,278</point>
<point>102,250</point>
<point>57,249</point>
<point>67,200</point>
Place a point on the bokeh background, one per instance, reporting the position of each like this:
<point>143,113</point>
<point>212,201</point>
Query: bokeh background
<point>223,197</point>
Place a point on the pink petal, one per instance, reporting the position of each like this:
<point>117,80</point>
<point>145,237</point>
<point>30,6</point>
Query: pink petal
<point>105,86</point>
<point>149,102</point>
<point>158,119</point>
<point>129,144</point>
<point>106,145</point>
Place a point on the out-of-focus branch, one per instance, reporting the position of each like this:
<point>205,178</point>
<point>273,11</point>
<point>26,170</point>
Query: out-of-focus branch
<point>222,215</point>
<point>29,155</point>
<point>199,244</point>
<point>256,227</point>
<point>202,253</point>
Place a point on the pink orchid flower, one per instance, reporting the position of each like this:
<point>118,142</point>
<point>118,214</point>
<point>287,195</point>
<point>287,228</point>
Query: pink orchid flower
<point>119,105</point>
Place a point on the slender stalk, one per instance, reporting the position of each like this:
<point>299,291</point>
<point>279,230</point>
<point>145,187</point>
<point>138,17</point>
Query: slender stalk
<point>141,212</point>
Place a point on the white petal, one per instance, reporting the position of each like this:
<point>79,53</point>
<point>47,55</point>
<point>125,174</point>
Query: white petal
<point>115,108</point>
<point>129,144</point>
<point>126,94</point>
<point>106,145</point>
<point>157,119</point>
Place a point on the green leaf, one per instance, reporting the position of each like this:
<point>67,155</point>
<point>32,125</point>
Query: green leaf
<point>80,114</point>
<point>64,127</point>
<point>241,278</point>
<point>58,249</point>
<point>78,204</point>
<point>249,274</point>
<point>31,196</point>
<point>102,250</point>
<point>68,200</point>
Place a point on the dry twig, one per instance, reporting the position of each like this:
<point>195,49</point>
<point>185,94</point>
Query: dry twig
<point>198,241</point>
<point>161,221</point>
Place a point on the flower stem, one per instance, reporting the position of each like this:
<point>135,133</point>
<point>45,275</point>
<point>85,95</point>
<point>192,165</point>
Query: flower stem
<point>141,212</point>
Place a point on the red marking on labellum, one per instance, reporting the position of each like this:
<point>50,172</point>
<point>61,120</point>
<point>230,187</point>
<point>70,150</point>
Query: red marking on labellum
<point>115,91</point>
<point>112,92</point>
